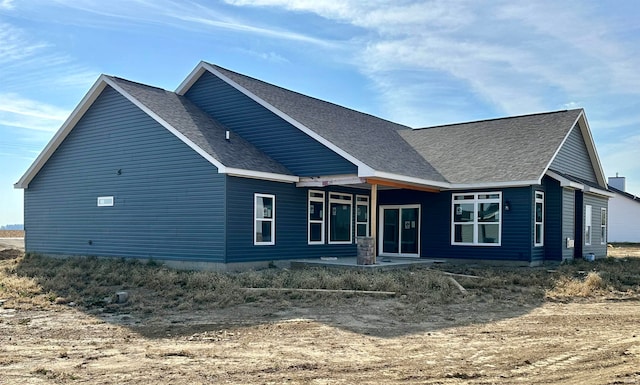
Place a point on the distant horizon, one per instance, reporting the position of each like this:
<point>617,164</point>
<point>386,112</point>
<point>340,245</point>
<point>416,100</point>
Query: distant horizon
<point>420,63</point>
<point>12,226</point>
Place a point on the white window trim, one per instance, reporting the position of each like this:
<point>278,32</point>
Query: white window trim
<point>338,200</point>
<point>310,221</point>
<point>603,227</point>
<point>475,222</point>
<point>535,222</point>
<point>106,201</point>
<point>272,219</point>
<point>366,203</point>
<point>588,223</point>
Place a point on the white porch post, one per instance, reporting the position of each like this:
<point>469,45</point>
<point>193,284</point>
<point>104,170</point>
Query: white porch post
<point>374,219</point>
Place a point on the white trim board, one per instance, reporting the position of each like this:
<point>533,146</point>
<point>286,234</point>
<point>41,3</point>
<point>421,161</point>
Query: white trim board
<point>204,66</point>
<point>87,101</point>
<point>581,120</point>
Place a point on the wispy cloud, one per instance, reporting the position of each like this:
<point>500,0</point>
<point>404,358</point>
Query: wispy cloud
<point>517,57</point>
<point>17,111</point>
<point>189,15</point>
<point>6,4</point>
<point>28,63</point>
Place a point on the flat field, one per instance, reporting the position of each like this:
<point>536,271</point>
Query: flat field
<point>571,324</point>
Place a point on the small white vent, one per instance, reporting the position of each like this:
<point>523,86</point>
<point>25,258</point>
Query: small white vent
<point>105,201</point>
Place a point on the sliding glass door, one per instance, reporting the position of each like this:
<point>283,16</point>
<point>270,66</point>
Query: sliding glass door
<point>400,230</point>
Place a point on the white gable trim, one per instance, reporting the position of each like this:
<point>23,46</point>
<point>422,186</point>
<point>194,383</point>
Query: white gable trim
<point>163,123</point>
<point>88,101</point>
<point>591,148</point>
<point>202,66</point>
<point>581,120</point>
<point>62,133</point>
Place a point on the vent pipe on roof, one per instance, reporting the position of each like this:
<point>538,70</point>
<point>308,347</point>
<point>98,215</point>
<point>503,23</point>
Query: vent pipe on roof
<point>227,135</point>
<point>618,182</point>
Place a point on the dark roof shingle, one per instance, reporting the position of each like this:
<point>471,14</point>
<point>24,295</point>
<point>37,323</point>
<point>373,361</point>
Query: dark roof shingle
<point>201,129</point>
<point>493,151</point>
<point>374,141</point>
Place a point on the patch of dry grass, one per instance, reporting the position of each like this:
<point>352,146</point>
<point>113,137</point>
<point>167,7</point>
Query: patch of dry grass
<point>566,287</point>
<point>92,282</point>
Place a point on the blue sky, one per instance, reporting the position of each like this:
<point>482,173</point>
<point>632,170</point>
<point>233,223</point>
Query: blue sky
<point>420,63</point>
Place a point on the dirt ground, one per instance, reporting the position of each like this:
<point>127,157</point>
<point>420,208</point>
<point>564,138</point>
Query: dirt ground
<point>363,340</point>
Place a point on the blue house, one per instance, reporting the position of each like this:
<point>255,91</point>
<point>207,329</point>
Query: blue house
<point>229,169</point>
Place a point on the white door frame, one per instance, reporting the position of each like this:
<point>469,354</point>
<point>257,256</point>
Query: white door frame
<point>381,230</point>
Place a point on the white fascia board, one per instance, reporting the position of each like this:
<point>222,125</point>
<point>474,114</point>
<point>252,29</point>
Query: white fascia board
<point>241,173</point>
<point>191,79</point>
<point>506,184</point>
<point>404,178</point>
<point>564,140</point>
<point>591,149</point>
<point>450,186</point>
<point>564,182</point>
<point>62,132</point>
<point>597,191</point>
<point>330,180</point>
<point>196,74</point>
<point>221,168</point>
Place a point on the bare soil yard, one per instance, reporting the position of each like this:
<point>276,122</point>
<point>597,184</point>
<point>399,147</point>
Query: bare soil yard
<point>570,324</point>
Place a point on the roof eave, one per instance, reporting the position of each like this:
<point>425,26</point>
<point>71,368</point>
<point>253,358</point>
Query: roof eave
<point>262,175</point>
<point>204,66</point>
<point>494,185</point>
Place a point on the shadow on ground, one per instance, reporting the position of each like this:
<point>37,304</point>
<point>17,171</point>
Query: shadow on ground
<point>162,302</point>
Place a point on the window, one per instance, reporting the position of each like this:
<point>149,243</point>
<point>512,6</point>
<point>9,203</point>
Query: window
<point>340,218</point>
<point>105,201</point>
<point>476,219</point>
<point>316,217</point>
<point>539,219</point>
<point>603,226</point>
<point>362,216</point>
<point>587,225</point>
<point>264,219</point>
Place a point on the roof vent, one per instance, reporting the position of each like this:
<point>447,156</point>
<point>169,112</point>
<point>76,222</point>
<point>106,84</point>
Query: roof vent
<point>227,135</point>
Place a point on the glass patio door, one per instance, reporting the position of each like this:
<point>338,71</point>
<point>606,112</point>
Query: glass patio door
<point>400,228</point>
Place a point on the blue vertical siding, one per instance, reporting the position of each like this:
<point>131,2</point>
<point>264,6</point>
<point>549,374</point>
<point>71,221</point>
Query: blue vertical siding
<point>573,157</point>
<point>169,201</point>
<point>289,146</point>
<point>517,225</point>
<point>290,218</point>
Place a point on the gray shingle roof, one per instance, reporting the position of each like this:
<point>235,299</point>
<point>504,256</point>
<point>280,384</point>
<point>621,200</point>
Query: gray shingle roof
<point>488,151</point>
<point>499,150</point>
<point>374,141</point>
<point>201,129</point>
